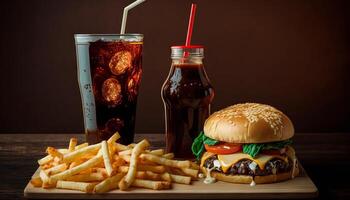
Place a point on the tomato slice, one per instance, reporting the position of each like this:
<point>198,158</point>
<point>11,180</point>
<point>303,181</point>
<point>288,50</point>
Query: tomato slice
<point>223,148</point>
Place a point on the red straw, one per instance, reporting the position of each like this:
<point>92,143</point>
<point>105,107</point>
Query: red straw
<point>190,24</point>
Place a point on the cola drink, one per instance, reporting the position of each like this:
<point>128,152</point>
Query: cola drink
<point>187,94</point>
<point>115,69</point>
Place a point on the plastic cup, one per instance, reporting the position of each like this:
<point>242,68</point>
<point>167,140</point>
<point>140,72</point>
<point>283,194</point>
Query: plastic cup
<point>109,73</point>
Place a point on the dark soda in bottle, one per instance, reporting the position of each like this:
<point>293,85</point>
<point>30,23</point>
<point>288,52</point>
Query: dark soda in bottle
<point>187,94</point>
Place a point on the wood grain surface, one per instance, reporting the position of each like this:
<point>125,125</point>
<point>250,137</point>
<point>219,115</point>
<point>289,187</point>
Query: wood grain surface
<point>300,187</point>
<point>324,156</point>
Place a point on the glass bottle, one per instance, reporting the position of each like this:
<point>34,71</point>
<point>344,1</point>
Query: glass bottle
<point>187,94</point>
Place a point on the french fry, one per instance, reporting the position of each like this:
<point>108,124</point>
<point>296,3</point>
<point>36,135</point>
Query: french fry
<point>191,172</point>
<point>180,179</point>
<point>165,161</point>
<point>127,158</point>
<point>166,177</point>
<point>119,147</point>
<point>194,166</point>
<point>106,158</point>
<point>152,176</point>
<point>132,145</point>
<point>87,171</point>
<point>125,152</point>
<point>154,185</point>
<point>128,179</point>
<point>47,185</point>
<point>47,166</point>
<point>75,170</point>
<point>63,151</point>
<point>108,184</point>
<point>146,162</point>
<point>168,155</point>
<point>56,161</point>
<point>45,160</point>
<point>118,161</point>
<point>80,186</point>
<point>70,157</point>
<point>100,170</point>
<point>157,152</point>
<point>116,157</point>
<point>157,168</point>
<point>123,169</point>
<point>175,171</point>
<point>54,152</point>
<point>76,163</point>
<point>56,169</point>
<point>141,175</point>
<point>72,143</point>
<point>81,145</point>
<point>43,176</point>
<point>36,181</point>
<point>86,177</point>
<point>113,138</point>
<point>87,156</point>
<point>112,150</point>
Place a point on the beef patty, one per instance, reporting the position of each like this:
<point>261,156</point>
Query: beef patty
<point>274,166</point>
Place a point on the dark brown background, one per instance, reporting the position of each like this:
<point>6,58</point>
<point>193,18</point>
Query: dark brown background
<point>287,53</point>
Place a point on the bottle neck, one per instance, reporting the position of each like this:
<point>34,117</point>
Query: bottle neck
<point>187,55</point>
<point>188,70</point>
<point>188,61</point>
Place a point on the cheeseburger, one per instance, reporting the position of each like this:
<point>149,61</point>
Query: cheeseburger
<point>247,143</point>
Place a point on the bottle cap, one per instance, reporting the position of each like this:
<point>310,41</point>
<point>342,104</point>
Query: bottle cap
<point>187,51</point>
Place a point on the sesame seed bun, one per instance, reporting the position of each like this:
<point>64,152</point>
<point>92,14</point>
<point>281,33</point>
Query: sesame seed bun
<point>249,123</point>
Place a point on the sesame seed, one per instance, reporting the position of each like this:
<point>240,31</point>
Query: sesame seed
<point>254,111</point>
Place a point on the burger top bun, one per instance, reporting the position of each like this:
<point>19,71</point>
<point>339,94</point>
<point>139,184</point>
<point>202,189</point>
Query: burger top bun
<point>249,123</point>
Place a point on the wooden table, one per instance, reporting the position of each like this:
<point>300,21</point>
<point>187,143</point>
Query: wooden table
<point>325,156</point>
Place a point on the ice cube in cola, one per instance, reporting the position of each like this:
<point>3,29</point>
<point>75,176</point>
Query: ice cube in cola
<point>111,92</point>
<point>133,84</point>
<point>120,62</point>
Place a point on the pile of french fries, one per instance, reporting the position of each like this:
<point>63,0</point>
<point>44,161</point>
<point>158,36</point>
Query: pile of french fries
<point>109,165</point>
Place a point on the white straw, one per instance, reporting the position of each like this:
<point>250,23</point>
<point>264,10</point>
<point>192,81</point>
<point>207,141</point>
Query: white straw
<point>125,14</point>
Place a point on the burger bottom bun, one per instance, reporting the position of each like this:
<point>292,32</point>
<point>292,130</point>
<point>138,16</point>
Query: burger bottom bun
<point>257,179</point>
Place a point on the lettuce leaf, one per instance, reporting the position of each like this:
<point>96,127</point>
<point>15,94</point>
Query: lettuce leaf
<point>198,144</point>
<point>254,149</point>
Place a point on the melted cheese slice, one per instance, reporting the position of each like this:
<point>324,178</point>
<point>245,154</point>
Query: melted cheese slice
<point>228,160</point>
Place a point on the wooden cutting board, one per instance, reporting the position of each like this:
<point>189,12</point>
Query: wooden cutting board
<point>300,187</point>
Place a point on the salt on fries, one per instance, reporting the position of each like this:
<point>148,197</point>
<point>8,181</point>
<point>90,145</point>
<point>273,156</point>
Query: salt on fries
<point>108,165</point>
